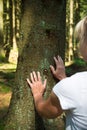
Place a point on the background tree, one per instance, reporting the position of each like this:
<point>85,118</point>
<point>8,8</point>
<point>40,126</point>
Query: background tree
<point>69,31</point>
<point>75,10</point>
<point>17,4</point>
<point>70,54</point>
<point>1,28</point>
<point>76,19</point>
<point>8,26</point>
<point>42,36</point>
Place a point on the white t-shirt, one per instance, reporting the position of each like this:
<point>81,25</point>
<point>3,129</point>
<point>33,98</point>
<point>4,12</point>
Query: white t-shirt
<point>72,93</point>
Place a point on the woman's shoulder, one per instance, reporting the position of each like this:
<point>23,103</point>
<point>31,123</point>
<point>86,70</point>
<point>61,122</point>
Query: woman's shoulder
<point>74,78</point>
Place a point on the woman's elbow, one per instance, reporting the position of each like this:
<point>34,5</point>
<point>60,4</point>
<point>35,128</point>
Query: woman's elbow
<point>48,114</point>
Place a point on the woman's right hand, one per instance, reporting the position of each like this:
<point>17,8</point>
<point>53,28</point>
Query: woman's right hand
<point>59,71</point>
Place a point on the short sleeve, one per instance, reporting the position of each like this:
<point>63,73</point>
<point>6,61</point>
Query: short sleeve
<point>65,93</point>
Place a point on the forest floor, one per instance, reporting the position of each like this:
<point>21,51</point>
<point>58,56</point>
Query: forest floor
<point>7,74</point>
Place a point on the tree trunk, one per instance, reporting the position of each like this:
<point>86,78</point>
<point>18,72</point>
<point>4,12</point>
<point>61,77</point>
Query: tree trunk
<point>70,55</point>
<point>1,29</point>
<point>42,37</point>
<point>1,23</point>
<point>77,18</point>
<point>8,27</point>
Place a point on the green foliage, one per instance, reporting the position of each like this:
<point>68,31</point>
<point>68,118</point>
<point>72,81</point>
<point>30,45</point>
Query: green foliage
<point>7,74</point>
<point>4,88</point>
<point>78,65</point>
<point>83,8</point>
<point>69,71</point>
<point>6,83</point>
<point>1,125</point>
<point>80,62</point>
<point>2,59</point>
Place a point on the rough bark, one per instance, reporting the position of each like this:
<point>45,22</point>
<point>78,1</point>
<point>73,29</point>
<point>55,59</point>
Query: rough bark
<point>42,37</point>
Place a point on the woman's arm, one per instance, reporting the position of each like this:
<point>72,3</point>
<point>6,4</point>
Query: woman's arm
<point>49,108</point>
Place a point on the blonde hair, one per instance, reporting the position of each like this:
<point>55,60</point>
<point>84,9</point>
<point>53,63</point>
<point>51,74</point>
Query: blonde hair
<point>81,31</point>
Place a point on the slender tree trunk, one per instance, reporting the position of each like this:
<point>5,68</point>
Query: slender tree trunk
<point>42,37</point>
<point>1,28</point>
<point>8,27</point>
<point>71,33</point>
<point>77,18</point>
<point>5,22</point>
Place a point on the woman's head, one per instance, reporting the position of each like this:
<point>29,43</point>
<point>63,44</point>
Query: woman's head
<point>81,34</point>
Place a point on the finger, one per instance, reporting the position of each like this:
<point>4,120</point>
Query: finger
<point>32,78</point>
<point>60,59</point>
<point>39,76</point>
<point>52,69</point>
<point>56,61</point>
<point>45,82</point>
<point>35,76</point>
<point>29,83</point>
